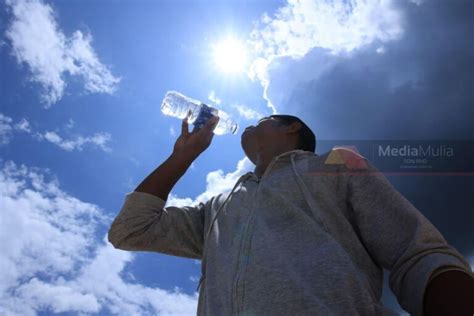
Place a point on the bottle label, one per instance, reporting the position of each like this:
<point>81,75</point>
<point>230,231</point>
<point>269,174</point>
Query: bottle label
<point>204,115</point>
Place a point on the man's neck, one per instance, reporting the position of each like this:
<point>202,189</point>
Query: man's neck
<point>264,159</point>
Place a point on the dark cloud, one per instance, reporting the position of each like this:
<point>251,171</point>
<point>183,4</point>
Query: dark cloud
<point>421,87</point>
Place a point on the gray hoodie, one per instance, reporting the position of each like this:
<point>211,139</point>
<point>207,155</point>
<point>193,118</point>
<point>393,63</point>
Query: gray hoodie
<point>310,237</point>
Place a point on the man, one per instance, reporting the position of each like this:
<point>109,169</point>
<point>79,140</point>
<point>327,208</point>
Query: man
<point>297,236</point>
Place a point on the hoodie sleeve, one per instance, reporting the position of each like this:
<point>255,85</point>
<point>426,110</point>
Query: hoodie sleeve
<point>144,224</point>
<point>398,237</point>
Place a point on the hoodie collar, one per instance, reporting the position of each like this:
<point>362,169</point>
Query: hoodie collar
<point>286,156</point>
<point>281,159</point>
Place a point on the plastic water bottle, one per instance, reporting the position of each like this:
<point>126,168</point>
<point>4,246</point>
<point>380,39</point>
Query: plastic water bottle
<point>177,105</point>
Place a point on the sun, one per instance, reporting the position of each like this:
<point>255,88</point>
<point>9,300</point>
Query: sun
<point>230,55</point>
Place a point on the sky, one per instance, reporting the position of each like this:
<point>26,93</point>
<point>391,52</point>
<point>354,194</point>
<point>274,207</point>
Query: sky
<point>81,84</point>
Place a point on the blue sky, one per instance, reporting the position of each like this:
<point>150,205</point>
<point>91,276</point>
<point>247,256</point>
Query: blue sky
<point>80,123</point>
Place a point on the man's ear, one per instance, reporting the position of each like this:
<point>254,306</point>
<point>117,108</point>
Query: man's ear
<point>294,127</point>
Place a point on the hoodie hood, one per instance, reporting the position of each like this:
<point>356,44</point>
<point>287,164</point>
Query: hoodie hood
<point>282,159</point>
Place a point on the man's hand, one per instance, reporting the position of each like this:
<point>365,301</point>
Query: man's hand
<point>194,143</point>
<point>188,147</point>
<point>450,293</point>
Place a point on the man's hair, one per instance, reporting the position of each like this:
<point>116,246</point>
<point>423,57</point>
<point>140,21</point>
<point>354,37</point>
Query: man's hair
<point>307,140</point>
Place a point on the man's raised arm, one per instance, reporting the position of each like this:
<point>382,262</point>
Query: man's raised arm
<point>402,240</point>
<point>187,148</point>
<point>144,224</point>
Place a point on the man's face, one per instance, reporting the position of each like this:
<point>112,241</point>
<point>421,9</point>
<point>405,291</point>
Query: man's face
<point>265,133</point>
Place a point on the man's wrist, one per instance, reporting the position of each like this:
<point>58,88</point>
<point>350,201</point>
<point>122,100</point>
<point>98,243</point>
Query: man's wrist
<point>184,156</point>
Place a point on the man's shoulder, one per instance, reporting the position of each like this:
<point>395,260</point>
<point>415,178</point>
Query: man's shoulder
<point>339,159</point>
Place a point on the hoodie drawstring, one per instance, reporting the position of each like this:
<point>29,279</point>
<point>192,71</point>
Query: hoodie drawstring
<point>307,195</point>
<point>241,180</point>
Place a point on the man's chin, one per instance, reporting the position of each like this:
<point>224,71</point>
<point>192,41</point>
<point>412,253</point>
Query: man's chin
<point>245,144</point>
<point>249,156</point>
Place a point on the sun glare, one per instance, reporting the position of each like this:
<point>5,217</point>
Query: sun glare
<point>230,55</point>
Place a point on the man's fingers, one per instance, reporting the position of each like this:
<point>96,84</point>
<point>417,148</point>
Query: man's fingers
<point>184,124</point>
<point>184,127</point>
<point>212,122</point>
<point>208,126</point>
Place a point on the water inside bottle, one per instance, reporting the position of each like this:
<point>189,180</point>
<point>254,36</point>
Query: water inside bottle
<point>223,126</point>
<point>177,105</point>
<point>203,116</point>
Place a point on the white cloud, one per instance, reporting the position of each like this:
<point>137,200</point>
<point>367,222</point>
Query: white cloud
<point>36,213</point>
<point>337,26</point>
<point>38,42</point>
<point>179,202</point>
<point>52,261</point>
<point>246,112</point>
<point>23,126</point>
<point>58,298</point>
<point>102,279</point>
<point>70,124</point>
<point>213,98</point>
<point>97,76</point>
<point>243,110</point>
<point>217,182</point>
<point>5,129</point>
<point>77,143</point>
